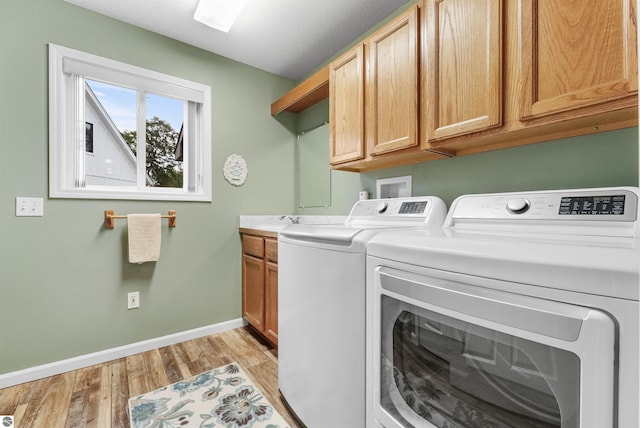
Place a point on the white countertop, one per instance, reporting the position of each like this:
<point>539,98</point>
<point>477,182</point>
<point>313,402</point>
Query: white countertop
<point>273,223</point>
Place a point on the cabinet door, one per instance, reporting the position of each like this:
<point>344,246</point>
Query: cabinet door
<point>576,53</point>
<point>253,270</point>
<point>392,79</point>
<point>346,107</point>
<point>271,303</point>
<point>463,66</point>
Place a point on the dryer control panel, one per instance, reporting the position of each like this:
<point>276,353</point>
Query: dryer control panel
<point>607,204</point>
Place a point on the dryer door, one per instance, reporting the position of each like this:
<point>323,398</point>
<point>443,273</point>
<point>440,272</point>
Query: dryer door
<point>452,354</point>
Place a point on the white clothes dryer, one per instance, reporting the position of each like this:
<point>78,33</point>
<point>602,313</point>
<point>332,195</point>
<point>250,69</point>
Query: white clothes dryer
<point>321,307</point>
<point>521,312</point>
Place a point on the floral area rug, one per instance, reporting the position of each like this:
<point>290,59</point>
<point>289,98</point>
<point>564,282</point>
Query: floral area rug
<point>220,398</point>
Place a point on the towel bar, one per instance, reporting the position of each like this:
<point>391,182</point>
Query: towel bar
<point>109,217</point>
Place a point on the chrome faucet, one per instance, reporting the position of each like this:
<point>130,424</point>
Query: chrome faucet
<point>292,220</point>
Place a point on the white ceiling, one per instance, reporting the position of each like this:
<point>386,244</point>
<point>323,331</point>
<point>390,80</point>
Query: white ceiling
<point>290,38</point>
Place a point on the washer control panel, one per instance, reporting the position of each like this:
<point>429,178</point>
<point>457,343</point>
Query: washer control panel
<point>611,204</point>
<point>416,207</point>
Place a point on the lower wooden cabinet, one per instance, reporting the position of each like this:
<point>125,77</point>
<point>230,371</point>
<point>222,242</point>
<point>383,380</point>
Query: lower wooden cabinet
<point>260,284</point>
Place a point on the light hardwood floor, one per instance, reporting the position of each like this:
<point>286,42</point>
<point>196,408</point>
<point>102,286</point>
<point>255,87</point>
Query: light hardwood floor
<point>97,396</point>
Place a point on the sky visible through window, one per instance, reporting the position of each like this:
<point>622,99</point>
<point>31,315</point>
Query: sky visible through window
<point>120,104</point>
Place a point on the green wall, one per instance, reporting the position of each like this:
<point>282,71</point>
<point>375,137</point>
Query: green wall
<point>596,160</point>
<point>63,277</point>
<point>344,185</point>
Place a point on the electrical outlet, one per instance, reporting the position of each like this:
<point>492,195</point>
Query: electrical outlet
<point>133,300</point>
<point>29,207</point>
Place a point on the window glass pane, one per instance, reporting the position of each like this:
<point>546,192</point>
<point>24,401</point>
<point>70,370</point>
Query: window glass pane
<point>163,134</point>
<point>453,373</point>
<point>110,123</point>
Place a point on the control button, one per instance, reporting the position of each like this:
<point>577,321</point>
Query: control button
<point>518,205</point>
<point>382,207</point>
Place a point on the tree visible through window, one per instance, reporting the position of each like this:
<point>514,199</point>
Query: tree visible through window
<point>163,169</point>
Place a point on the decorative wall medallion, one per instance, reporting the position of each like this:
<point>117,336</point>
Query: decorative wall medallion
<point>235,170</point>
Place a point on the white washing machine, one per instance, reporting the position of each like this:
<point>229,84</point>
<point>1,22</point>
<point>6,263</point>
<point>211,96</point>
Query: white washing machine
<point>521,312</point>
<point>321,307</point>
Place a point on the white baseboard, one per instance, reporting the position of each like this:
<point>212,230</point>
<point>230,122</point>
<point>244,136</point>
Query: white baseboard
<point>75,363</point>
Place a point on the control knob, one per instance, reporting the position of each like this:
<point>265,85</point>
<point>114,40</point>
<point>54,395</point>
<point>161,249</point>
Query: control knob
<point>518,205</point>
<point>382,207</point>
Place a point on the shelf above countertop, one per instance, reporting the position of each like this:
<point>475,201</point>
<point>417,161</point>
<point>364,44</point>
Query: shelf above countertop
<point>307,93</point>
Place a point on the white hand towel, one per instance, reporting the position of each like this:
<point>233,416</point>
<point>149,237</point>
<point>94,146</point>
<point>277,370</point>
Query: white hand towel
<point>144,237</point>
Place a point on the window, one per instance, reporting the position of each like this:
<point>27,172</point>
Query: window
<point>117,131</point>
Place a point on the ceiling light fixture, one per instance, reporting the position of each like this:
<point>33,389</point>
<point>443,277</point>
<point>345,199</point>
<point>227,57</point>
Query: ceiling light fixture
<point>218,14</point>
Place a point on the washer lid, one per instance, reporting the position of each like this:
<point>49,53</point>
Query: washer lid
<point>319,232</point>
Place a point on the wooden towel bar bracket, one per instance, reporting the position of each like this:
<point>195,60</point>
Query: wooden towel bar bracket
<point>109,217</point>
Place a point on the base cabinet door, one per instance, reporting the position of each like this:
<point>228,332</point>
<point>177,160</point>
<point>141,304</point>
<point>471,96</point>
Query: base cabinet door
<point>576,54</point>
<point>253,270</point>
<point>271,303</point>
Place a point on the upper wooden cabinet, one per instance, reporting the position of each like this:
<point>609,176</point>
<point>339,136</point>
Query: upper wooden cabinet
<point>456,77</point>
<point>346,107</point>
<point>391,87</point>
<point>463,65</point>
<point>373,99</point>
<point>538,70</point>
<point>575,54</point>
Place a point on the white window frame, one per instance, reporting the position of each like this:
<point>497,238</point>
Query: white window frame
<point>68,69</point>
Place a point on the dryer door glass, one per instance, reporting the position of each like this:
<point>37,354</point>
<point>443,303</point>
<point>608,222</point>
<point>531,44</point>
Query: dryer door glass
<point>452,373</point>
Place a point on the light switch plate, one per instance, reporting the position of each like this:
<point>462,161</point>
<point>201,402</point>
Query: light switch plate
<point>29,207</point>
<point>133,300</point>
